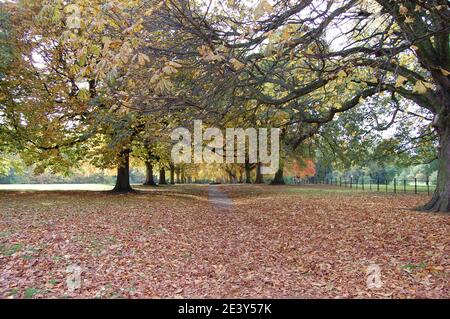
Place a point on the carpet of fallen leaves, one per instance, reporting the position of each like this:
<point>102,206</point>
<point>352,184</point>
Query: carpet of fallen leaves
<point>172,242</point>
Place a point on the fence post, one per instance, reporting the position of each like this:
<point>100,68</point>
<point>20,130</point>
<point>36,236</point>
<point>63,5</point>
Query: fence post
<point>395,185</point>
<point>363,183</point>
<point>386,182</point>
<point>428,185</point>
<point>378,184</point>
<point>351,182</point>
<point>340,181</point>
<point>370,183</point>
<point>415,185</point>
<point>404,185</point>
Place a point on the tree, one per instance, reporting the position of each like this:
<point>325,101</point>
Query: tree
<point>123,173</point>
<point>149,180</point>
<point>401,47</point>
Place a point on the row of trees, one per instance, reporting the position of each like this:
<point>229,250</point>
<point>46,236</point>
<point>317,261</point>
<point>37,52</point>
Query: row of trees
<point>423,173</point>
<point>101,80</point>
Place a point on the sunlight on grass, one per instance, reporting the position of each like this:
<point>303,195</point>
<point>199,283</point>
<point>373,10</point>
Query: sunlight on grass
<point>56,187</point>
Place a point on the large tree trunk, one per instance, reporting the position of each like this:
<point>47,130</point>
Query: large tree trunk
<point>123,174</point>
<point>162,177</point>
<point>441,198</point>
<point>259,177</point>
<point>149,181</point>
<point>278,178</point>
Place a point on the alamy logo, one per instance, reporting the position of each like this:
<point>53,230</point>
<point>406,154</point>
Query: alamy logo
<point>210,146</point>
<point>374,277</point>
<point>73,279</point>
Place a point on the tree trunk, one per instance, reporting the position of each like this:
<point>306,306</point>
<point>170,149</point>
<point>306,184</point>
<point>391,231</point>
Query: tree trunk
<point>441,198</point>
<point>172,174</point>
<point>162,177</point>
<point>230,178</point>
<point>123,174</point>
<point>248,173</point>
<point>278,179</point>
<point>149,174</point>
<point>241,176</point>
<point>259,177</point>
<point>178,174</point>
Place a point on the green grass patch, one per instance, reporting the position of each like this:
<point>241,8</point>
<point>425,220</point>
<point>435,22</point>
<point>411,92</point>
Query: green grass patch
<point>411,267</point>
<point>10,250</point>
<point>4,234</point>
<point>31,292</point>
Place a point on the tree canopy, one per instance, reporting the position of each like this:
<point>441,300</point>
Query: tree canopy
<point>96,81</point>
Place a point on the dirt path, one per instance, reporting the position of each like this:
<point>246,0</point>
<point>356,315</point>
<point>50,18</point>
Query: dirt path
<point>218,198</point>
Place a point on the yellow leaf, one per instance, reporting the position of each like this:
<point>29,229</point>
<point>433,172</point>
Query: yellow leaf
<point>445,72</point>
<point>174,64</point>
<point>342,74</point>
<point>155,78</point>
<point>262,7</point>
<point>169,70</point>
<point>237,65</point>
<point>420,87</point>
<point>310,50</point>
<point>400,81</point>
<point>143,58</point>
<point>409,20</point>
<point>428,85</point>
<point>403,10</point>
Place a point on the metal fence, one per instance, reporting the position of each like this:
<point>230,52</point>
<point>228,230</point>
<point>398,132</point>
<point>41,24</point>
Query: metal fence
<point>395,185</point>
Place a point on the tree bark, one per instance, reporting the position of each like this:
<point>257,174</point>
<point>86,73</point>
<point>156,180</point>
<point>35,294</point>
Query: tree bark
<point>149,181</point>
<point>123,174</point>
<point>278,178</point>
<point>241,176</point>
<point>178,175</point>
<point>182,176</point>
<point>440,201</point>
<point>259,177</point>
<point>248,173</point>
<point>162,177</point>
<point>172,174</point>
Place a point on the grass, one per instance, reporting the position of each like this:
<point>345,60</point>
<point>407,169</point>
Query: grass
<point>391,188</point>
<point>30,292</point>
<point>324,188</point>
<point>10,250</point>
<point>55,187</point>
